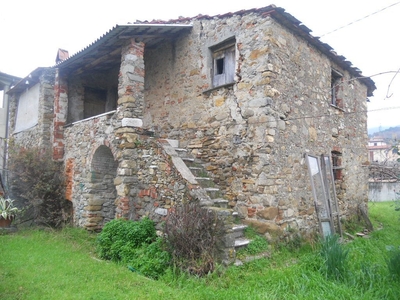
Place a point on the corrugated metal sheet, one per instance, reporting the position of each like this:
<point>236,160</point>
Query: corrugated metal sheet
<point>105,52</point>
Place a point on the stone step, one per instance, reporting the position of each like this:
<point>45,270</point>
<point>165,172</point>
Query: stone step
<point>197,171</point>
<point>203,178</point>
<point>241,243</point>
<point>213,192</point>
<point>205,182</point>
<point>182,153</point>
<point>188,159</point>
<point>238,231</point>
<point>181,150</point>
<point>219,202</point>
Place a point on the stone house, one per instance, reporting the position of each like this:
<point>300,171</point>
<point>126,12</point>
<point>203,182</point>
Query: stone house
<point>380,151</point>
<point>6,82</point>
<point>242,97</point>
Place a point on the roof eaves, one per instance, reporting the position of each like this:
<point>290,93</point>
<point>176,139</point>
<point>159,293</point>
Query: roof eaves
<point>7,80</point>
<point>32,78</point>
<point>110,33</point>
<point>115,31</point>
<point>293,24</point>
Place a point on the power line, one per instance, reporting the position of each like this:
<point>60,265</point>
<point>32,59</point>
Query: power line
<point>387,93</point>
<point>358,20</point>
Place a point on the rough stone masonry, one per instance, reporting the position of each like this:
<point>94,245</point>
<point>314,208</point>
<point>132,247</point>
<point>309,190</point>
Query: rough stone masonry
<point>247,93</point>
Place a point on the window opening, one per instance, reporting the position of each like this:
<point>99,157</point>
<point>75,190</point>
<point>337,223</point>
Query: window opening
<point>337,165</point>
<point>94,102</point>
<point>219,63</point>
<point>223,63</point>
<point>336,80</point>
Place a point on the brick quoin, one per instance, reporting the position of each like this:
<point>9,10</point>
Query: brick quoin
<point>60,90</point>
<point>69,173</point>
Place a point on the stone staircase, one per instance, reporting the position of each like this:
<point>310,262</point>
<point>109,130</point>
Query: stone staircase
<point>210,197</point>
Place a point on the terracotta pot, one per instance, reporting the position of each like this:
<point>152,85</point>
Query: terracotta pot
<point>5,222</point>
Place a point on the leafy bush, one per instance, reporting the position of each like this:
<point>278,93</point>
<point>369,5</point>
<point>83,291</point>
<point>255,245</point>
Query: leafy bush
<point>192,234</point>
<point>119,236</point>
<point>149,260</point>
<point>335,258</point>
<point>258,244</point>
<point>134,243</point>
<point>38,185</point>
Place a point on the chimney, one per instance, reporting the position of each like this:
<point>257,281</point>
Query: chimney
<point>61,55</point>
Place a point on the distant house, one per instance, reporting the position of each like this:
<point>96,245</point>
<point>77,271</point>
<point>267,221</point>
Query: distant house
<point>248,98</point>
<point>379,150</point>
<point>6,82</point>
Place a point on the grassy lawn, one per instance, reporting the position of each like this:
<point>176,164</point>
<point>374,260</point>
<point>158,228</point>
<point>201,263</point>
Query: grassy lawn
<point>46,264</point>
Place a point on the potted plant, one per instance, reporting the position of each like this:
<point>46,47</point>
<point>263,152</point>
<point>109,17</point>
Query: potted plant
<point>7,212</point>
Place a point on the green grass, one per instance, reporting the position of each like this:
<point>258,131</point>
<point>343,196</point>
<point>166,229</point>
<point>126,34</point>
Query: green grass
<point>39,264</point>
<point>63,265</point>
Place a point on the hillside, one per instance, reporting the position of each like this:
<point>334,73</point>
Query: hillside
<point>389,134</point>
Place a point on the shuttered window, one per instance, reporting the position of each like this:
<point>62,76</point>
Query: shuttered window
<point>223,70</point>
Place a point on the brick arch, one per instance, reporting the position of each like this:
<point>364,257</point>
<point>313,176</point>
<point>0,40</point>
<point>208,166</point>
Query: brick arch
<point>103,170</point>
<point>95,147</point>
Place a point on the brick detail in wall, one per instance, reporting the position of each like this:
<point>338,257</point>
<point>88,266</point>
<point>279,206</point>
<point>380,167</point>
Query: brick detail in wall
<point>60,107</point>
<point>69,174</point>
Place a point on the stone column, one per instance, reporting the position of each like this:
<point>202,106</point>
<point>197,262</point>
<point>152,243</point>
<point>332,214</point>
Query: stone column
<point>130,113</point>
<point>60,116</point>
<point>46,108</point>
<point>131,85</point>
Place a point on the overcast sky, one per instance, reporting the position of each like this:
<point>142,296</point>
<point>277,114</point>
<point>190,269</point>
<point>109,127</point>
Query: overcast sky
<point>32,31</point>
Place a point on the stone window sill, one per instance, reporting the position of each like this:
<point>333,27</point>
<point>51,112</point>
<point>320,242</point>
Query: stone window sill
<point>219,87</point>
<point>337,107</point>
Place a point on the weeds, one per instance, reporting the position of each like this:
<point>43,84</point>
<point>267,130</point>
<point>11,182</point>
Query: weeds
<point>149,260</point>
<point>119,236</point>
<point>258,244</point>
<point>192,234</point>
<point>52,264</point>
<point>393,263</point>
<point>37,183</point>
<point>134,244</point>
<point>335,258</point>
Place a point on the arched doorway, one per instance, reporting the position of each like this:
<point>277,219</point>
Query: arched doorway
<point>103,172</point>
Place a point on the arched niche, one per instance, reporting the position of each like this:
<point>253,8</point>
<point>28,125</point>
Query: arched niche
<point>103,171</point>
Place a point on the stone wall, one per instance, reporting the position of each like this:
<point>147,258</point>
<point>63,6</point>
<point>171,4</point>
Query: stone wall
<point>39,135</point>
<point>91,190</point>
<point>254,134</point>
<point>251,134</point>
<point>111,178</point>
<point>113,170</point>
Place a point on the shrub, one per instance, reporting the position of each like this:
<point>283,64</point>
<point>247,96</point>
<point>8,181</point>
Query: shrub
<point>393,263</point>
<point>335,258</point>
<point>134,243</point>
<point>192,234</point>
<point>119,236</point>
<point>37,183</point>
<point>149,260</point>
<point>258,244</point>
